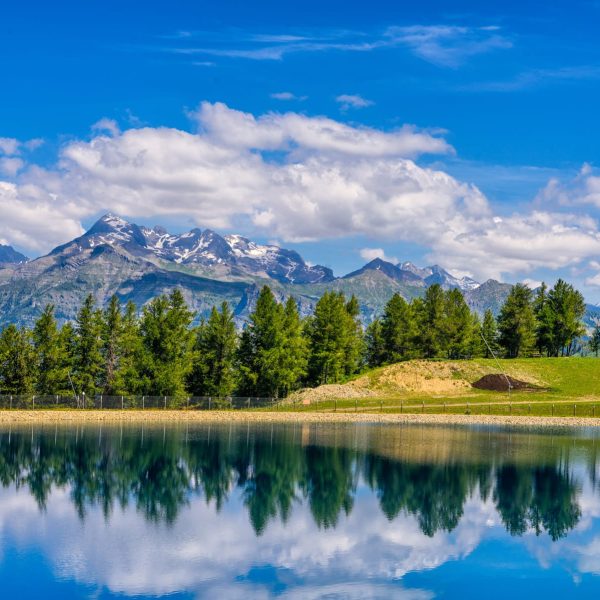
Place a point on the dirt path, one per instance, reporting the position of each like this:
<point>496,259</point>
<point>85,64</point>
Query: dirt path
<point>178,416</point>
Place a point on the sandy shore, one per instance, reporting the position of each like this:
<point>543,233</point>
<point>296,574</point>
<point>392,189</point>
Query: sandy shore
<point>179,416</point>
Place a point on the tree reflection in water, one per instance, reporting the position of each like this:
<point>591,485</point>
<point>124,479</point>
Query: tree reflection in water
<point>158,470</point>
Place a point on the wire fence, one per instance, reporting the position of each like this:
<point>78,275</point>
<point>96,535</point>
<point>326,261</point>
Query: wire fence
<point>101,402</point>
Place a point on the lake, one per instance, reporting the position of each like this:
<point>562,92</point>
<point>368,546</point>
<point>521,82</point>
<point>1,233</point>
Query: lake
<point>299,511</point>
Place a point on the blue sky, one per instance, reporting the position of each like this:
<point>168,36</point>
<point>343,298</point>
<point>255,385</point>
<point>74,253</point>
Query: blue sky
<point>502,96</point>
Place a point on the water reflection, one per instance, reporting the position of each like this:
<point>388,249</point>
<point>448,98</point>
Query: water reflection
<point>348,480</point>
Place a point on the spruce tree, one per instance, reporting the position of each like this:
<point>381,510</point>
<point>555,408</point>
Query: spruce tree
<point>128,377</point>
<point>397,330</point>
<point>516,322</point>
<point>457,325</point>
<point>568,308</point>
<point>261,345</point>
<point>544,316</point>
<point>112,335</point>
<point>88,363</point>
<point>489,331</point>
<point>213,371</point>
<point>166,356</point>
<point>430,316</point>
<point>594,342</point>
<point>354,343</point>
<point>17,361</point>
<point>375,353</point>
<point>294,355</point>
<point>50,355</point>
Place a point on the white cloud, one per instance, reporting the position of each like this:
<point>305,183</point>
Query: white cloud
<point>10,166</point>
<point>9,146</point>
<point>287,96</point>
<point>582,189</point>
<point>107,125</point>
<point>370,254</point>
<point>442,45</point>
<point>347,101</point>
<point>296,178</point>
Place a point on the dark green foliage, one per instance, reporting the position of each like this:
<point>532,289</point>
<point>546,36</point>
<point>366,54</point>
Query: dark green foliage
<point>88,363</point>
<point>489,331</point>
<point>165,359</point>
<point>594,342</point>
<point>51,355</point>
<point>334,338</point>
<point>397,330</point>
<point>213,372</point>
<point>374,344</point>
<point>516,322</point>
<point>17,361</point>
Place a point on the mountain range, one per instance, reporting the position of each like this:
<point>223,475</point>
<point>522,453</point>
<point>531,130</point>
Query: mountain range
<point>138,263</point>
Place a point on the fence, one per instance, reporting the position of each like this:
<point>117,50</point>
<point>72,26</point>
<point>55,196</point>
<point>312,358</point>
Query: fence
<point>134,402</point>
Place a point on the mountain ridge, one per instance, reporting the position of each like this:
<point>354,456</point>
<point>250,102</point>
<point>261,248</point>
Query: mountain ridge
<point>137,263</point>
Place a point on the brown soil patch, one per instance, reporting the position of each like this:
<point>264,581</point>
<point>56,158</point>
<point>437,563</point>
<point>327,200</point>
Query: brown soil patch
<point>500,383</point>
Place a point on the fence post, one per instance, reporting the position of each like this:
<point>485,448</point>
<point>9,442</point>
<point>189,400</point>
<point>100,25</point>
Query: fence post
<point>553,410</point>
<point>122,403</point>
<point>165,403</point>
<point>57,399</point>
<point>381,405</point>
<point>248,402</point>
<point>100,401</point>
<point>335,407</point>
<point>11,400</point>
<point>143,402</point>
<point>355,404</point>
<point>209,399</point>
<point>188,402</point>
<point>33,402</point>
<point>574,409</point>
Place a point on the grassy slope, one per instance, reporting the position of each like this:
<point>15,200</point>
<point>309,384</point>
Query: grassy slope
<point>570,386</point>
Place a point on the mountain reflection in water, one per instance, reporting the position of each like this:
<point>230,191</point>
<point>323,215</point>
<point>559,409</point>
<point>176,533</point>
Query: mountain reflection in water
<point>530,483</point>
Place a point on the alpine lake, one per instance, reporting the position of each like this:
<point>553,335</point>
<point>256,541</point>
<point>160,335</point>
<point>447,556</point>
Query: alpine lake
<point>298,510</point>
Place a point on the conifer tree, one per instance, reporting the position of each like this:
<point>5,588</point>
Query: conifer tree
<point>213,371</point>
<point>88,363</point>
<point>354,343</point>
<point>489,331</point>
<point>397,330</point>
<point>166,357</point>
<point>50,355</point>
<point>112,335</point>
<point>261,348</point>
<point>128,377</point>
<point>516,322</point>
<point>374,344</point>
<point>17,361</point>
<point>568,307</point>
<point>544,317</point>
<point>457,325</point>
<point>294,355</point>
<point>430,318</point>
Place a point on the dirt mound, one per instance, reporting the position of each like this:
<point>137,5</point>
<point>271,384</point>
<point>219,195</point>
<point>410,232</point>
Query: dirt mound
<point>329,392</point>
<point>500,383</point>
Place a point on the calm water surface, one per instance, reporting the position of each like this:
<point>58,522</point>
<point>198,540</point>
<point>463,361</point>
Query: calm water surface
<point>299,511</point>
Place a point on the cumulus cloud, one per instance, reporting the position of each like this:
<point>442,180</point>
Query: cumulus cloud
<point>373,253</point>
<point>297,178</point>
<point>582,189</point>
<point>10,166</point>
<point>9,146</point>
<point>347,101</point>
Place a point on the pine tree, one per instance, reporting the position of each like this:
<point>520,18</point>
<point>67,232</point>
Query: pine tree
<point>50,355</point>
<point>112,326</point>
<point>489,331</point>
<point>375,353</point>
<point>457,325</point>
<point>354,343</point>
<point>430,318</point>
<point>213,372</point>
<point>88,363</point>
<point>568,307</point>
<point>17,361</point>
<point>261,346</point>
<point>516,322</point>
<point>167,341</point>
<point>294,353</point>
<point>397,330</point>
<point>327,332</point>
<point>544,316</point>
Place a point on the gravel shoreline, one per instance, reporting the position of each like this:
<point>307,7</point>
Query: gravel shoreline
<point>179,416</point>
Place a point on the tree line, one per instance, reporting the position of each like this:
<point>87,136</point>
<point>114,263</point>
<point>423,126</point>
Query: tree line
<point>158,351</point>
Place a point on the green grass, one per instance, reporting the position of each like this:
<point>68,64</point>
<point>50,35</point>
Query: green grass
<point>569,387</point>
